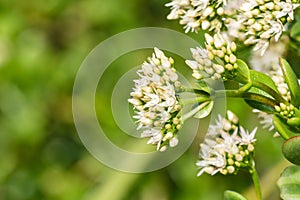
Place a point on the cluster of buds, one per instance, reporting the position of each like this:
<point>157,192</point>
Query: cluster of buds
<point>156,105</point>
<point>263,20</point>
<point>194,14</point>
<point>284,110</point>
<point>280,83</point>
<point>216,61</point>
<point>226,148</point>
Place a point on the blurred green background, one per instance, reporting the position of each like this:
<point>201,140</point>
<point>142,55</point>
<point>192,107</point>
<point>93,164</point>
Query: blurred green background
<point>42,44</point>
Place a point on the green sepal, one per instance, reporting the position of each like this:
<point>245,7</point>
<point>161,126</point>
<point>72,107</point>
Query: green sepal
<point>231,195</point>
<point>205,111</point>
<point>291,149</point>
<point>292,81</point>
<point>282,128</point>
<point>289,183</point>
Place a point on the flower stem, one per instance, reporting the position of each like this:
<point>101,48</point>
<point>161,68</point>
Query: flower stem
<point>255,180</point>
<point>245,95</point>
<point>199,99</point>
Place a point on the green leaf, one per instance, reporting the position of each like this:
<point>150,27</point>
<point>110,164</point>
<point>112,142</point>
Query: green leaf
<point>260,106</point>
<point>262,78</point>
<point>295,31</point>
<point>292,81</point>
<point>243,72</point>
<point>291,149</point>
<point>204,111</point>
<point>204,86</point>
<point>231,195</point>
<point>289,183</point>
<point>282,128</point>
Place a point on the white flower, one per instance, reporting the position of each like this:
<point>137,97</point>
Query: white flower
<point>274,31</point>
<point>246,137</point>
<point>196,14</point>
<point>261,21</point>
<point>216,59</point>
<point>287,8</point>
<point>212,162</point>
<point>157,109</point>
<point>262,46</point>
<point>270,60</point>
<point>225,149</point>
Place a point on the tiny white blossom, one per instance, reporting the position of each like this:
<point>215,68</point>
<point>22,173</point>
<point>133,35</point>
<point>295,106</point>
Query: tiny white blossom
<point>287,8</point>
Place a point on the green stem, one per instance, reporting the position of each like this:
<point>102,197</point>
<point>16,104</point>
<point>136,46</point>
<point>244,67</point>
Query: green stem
<point>194,90</point>
<point>255,179</point>
<point>245,95</point>
<point>199,99</point>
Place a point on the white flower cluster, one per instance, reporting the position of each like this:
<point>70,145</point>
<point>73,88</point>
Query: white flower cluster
<point>194,14</point>
<point>216,61</point>
<point>226,148</point>
<point>255,22</point>
<point>263,20</point>
<point>157,109</point>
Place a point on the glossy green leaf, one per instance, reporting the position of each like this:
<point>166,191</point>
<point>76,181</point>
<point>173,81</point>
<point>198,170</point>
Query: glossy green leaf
<point>292,81</point>
<point>243,72</point>
<point>260,106</point>
<point>282,128</point>
<point>289,183</point>
<point>291,149</point>
<point>295,31</point>
<point>204,111</point>
<point>231,195</point>
<point>264,79</point>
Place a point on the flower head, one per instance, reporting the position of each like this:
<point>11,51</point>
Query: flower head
<point>156,105</point>
<point>199,14</point>
<point>263,21</point>
<point>216,61</point>
<point>226,148</point>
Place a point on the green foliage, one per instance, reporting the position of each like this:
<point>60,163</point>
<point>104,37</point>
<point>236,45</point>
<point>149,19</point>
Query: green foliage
<point>42,45</point>
<point>292,81</point>
<point>295,31</point>
<point>289,183</point>
<point>283,129</point>
<point>231,195</point>
<point>291,149</point>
